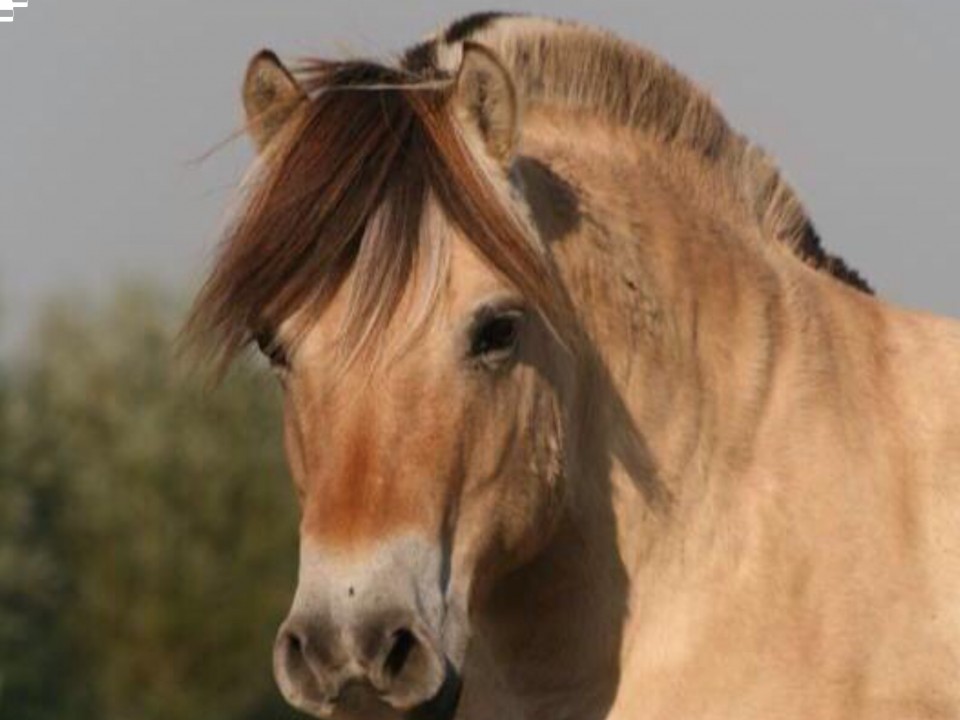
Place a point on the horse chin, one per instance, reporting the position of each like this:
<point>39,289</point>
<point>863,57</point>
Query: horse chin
<point>443,705</point>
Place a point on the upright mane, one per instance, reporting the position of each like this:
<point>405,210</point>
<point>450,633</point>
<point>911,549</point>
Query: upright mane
<point>349,180</point>
<point>565,63</point>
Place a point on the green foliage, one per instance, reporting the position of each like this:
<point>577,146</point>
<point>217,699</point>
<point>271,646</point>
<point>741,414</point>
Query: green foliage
<point>147,529</point>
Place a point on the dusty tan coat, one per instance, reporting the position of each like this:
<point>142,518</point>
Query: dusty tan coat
<point>807,561</point>
<point>760,479</point>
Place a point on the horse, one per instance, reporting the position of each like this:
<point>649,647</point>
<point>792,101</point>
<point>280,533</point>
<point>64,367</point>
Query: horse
<point>584,421</point>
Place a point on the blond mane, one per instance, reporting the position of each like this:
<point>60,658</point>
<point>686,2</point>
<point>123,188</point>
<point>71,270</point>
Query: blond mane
<point>564,63</point>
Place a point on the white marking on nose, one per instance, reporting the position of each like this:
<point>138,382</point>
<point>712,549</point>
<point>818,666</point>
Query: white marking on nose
<point>404,573</point>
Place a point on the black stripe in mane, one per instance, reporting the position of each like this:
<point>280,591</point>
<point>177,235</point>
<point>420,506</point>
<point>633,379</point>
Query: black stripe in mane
<point>470,25</point>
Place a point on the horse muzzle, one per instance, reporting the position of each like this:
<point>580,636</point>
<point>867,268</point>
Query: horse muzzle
<point>365,637</point>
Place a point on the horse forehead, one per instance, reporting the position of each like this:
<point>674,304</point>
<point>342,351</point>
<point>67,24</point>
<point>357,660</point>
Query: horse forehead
<point>471,277</point>
<point>398,387</point>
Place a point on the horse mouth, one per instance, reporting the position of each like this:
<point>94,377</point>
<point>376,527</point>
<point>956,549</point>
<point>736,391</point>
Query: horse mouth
<point>443,705</point>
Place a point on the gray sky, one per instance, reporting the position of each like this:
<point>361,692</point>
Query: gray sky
<point>104,104</point>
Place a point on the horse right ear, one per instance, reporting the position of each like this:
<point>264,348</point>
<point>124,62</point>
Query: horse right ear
<point>486,101</point>
<point>270,96</point>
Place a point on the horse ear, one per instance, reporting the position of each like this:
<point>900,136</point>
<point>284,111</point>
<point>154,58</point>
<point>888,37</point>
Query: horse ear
<point>486,101</point>
<point>270,96</point>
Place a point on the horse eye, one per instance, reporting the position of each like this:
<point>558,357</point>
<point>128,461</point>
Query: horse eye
<point>495,336</point>
<point>271,348</point>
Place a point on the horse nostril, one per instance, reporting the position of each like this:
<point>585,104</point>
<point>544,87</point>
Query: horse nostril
<point>301,667</point>
<point>404,643</point>
<point>294,645</point>
<point>405,668</point>
<point>291,658</point>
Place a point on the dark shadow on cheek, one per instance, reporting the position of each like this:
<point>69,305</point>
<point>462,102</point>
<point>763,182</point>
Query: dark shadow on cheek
<point>553,202</point>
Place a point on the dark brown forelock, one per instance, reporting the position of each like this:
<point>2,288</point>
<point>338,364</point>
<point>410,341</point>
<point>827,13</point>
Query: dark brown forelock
<point>369,143</point>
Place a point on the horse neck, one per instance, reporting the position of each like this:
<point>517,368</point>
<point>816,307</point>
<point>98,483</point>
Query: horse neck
<point>682,307</point>
<point>681,299</point>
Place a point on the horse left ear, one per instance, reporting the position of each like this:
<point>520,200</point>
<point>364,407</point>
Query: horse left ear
<point>486,101</point>
<point>270,96</point>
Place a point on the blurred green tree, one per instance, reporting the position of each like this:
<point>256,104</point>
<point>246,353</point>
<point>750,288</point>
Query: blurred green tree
<point>147,530</point>
<point>34,659</point>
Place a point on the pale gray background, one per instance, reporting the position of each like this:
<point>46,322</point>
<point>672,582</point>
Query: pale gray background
<point>104,104</point>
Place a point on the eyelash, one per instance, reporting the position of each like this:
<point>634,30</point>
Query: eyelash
<point>271,349</point>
